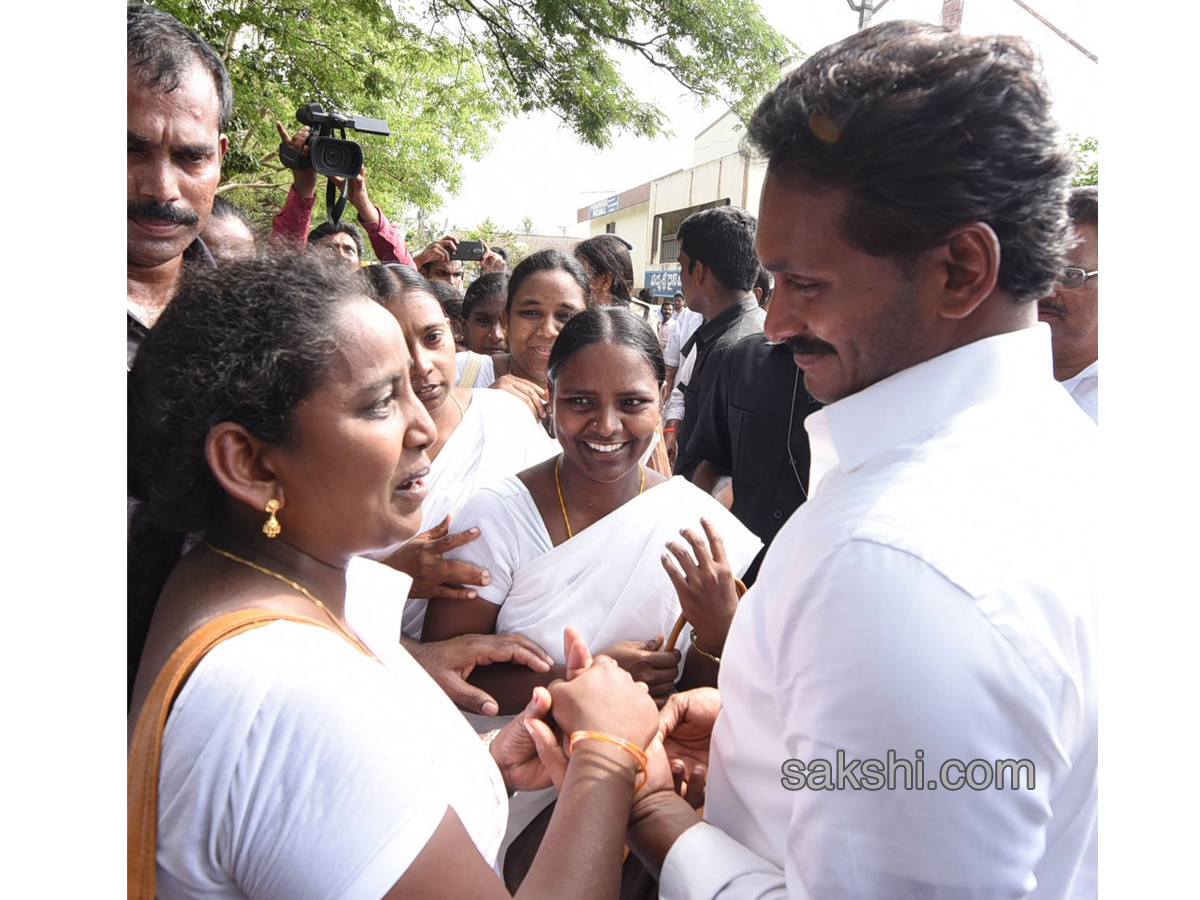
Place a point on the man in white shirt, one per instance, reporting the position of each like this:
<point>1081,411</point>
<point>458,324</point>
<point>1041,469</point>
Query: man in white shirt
<point>923,628</point>
<point>1072,310</point>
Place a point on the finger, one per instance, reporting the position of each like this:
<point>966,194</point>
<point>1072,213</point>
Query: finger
<point>686,563</point>
<point>662,659</point>
<point>677,577</point>
<point>697,782</point>
<point>699,547</point>
<point>452,592</point>
<point>458,539</point>
<point>286,138</point>
<point>576,652</point>
<point>519,649</point>
<point>470,697</point>
<point>715,542</point>
<point>553,759</point>
<point>455,572</point>
<point>437,532</point>
<point>652,644</point>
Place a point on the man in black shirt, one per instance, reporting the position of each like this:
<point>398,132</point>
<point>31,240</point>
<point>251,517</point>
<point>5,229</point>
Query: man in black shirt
<point>751,430</point>
<point>718,270</point>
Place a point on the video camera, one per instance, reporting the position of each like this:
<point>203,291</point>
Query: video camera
<point>328,155</point>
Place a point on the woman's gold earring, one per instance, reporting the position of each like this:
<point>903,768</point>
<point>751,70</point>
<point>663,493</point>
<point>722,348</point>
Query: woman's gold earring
<point>271,527</point>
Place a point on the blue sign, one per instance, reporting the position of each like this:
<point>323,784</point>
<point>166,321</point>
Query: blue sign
<point>664,283</point>
<point>603,207</point>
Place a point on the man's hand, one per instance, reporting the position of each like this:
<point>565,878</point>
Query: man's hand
<point>515,752</point>
<point>438,251</point>
<point>492,261</point>
<point>706,588</point>
<point>527,392</point>
<point>451,662</point>
<point>671,439</point>
<point>647,663</point>
<point>435,578</point>
<point>685,725</point>
<point>356,195</point>
<point>304,181</point>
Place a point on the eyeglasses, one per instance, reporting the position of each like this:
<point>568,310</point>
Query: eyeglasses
<point>1074,277</point>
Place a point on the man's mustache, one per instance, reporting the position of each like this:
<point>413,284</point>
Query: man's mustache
<point>163,212</point>
<point>1052,307</point>
<point>807,346</point>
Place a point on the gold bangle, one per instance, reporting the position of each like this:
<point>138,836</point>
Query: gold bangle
<point>629,747</point>
<point>702,651</point>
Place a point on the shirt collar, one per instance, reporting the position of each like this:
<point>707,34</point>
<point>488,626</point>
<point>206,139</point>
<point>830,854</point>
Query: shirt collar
<point>709,330</point>
<point>1091,371</point>
<point>916,400</point>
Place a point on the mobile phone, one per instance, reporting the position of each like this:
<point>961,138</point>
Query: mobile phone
<point>471,251</point>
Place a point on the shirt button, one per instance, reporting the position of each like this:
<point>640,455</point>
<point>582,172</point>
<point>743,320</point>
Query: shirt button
<point>777,514</point>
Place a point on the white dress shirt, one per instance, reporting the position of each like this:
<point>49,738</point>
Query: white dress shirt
<point>686,323</point>
<point>935,596</point>
<point>1084,389</point>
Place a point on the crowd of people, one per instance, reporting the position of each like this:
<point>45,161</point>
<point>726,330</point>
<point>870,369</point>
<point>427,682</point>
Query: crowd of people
<point>437,592</point>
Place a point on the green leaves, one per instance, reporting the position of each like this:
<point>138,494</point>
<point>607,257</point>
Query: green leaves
<point>444,73</point>
<point>1087,163</point>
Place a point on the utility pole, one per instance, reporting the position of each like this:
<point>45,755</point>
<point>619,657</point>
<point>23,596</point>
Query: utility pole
<point>865,10</point>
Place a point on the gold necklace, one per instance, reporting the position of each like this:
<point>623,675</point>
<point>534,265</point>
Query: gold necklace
<point>461,412</point>
<point>563,506</point>
<point>350,635</point>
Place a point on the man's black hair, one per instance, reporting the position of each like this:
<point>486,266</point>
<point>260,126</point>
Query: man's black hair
<point>328,229</point>
<point>1084,205</point>
<point>723,239</point>
<point>161,50</point>
<point>926,129</point>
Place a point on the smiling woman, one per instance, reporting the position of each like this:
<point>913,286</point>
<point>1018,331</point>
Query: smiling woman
<point>544,291</point>
<point>580,539</point>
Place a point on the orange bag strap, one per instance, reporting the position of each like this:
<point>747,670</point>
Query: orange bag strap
<point>145,748</point>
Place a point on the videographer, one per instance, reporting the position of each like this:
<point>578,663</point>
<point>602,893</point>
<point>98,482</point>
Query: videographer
<point>293,220</point>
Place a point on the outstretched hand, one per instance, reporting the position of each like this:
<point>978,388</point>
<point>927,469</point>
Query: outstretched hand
<point>304,181</point>
<point>434,577</point>
<point>451,662</point>
<point>706,587</point>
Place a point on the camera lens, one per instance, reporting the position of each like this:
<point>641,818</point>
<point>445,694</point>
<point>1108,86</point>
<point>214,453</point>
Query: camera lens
<point>331,156</point>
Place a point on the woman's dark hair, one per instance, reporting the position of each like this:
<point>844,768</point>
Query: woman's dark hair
<point>483,287</point>
<point>394,278</point>
<point>926,129</point>
<point>606,254</point>
<point>449,296</point>
<point>605,325</point>
<point>242,343</point>
<point>547,261</point>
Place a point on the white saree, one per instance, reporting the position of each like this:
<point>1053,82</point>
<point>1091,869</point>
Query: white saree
<point>607,581</point>
<point>496,437</point>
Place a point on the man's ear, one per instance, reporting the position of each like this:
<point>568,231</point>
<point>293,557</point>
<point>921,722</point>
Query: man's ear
<point>967,268</point>
<point>236,459</point>
<point>222,146</point>
<point>663,393</point>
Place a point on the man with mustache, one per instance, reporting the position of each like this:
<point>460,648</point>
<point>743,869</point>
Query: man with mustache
<point>180,100</point>
<point>1072,310</point>
<point>923,628</point>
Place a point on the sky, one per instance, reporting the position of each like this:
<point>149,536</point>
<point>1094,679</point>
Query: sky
<point>568,174</point>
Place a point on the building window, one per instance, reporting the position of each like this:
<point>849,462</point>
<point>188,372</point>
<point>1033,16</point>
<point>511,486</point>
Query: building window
<point>610,227</point>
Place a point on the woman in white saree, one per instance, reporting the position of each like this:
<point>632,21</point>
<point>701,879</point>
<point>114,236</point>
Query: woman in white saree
<point>482,435</point>
<point>582,539</point>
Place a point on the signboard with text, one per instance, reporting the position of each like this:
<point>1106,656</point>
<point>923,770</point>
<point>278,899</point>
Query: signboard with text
<point>603,207</point>
<point>663,283</point>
